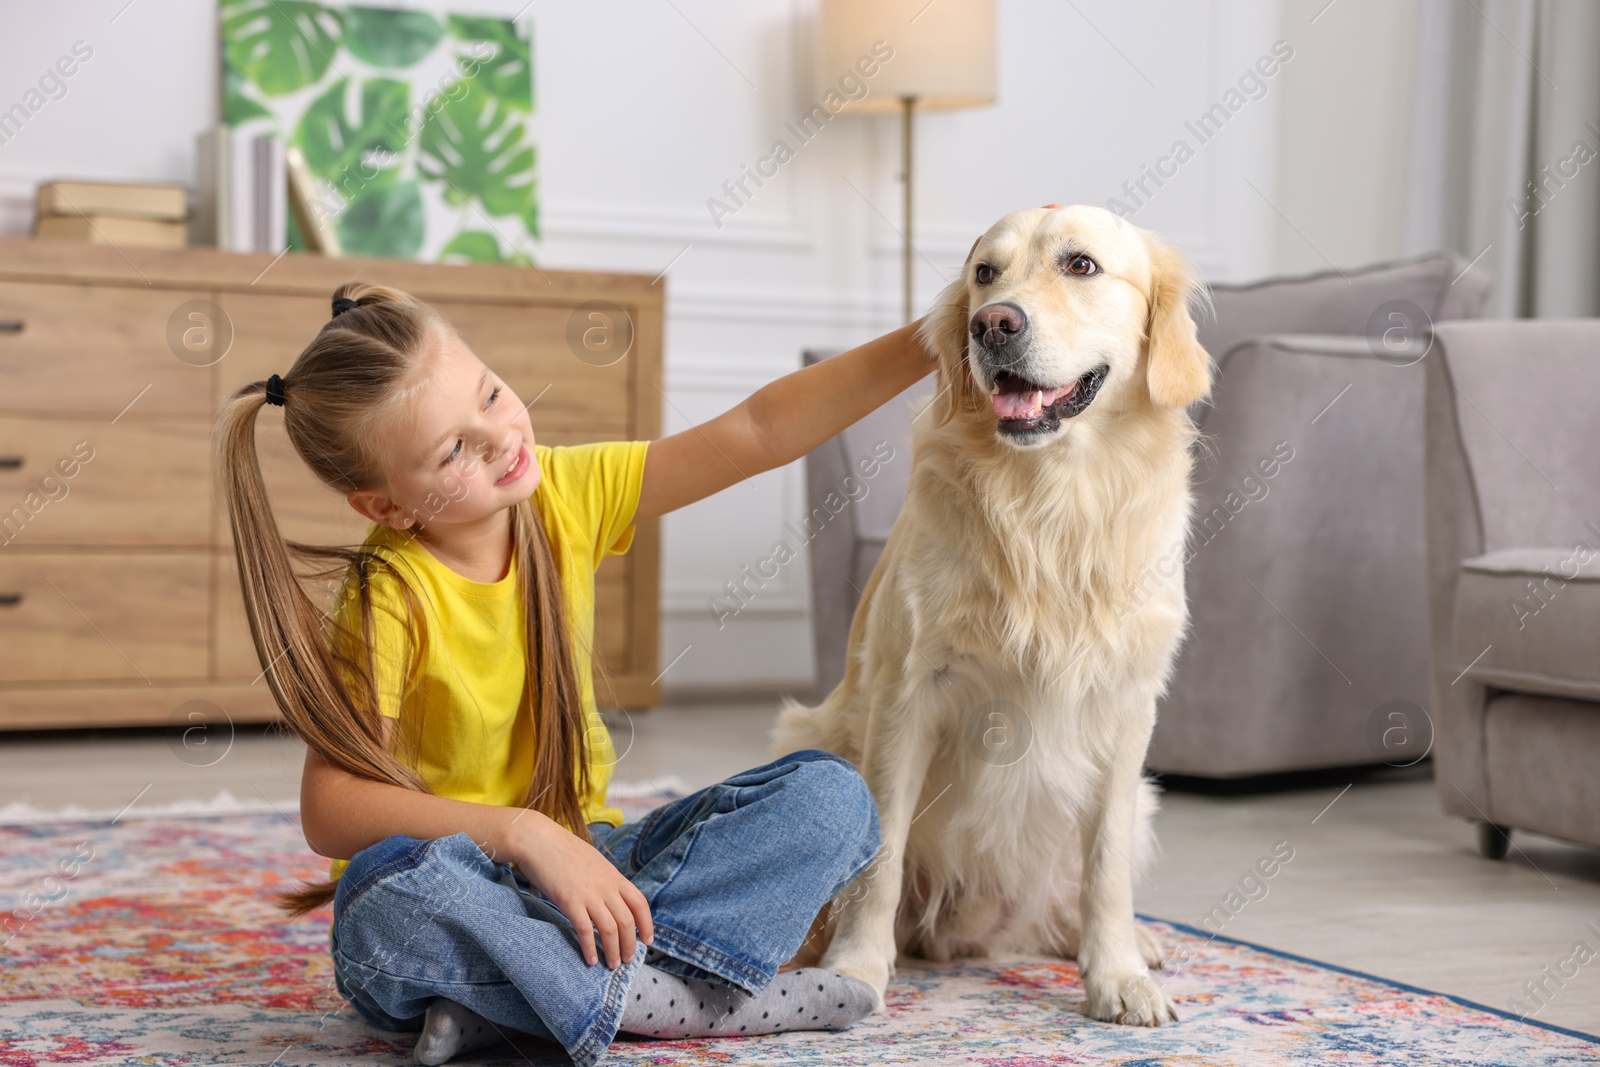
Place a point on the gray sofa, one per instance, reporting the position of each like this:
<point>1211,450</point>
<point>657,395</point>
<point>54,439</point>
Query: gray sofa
<point>1307,589</point>
<point>1315,575</point>
<point>1513,503</point>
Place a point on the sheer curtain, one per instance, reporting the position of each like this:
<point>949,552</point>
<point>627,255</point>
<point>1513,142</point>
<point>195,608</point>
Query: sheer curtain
<point>1505,155</point>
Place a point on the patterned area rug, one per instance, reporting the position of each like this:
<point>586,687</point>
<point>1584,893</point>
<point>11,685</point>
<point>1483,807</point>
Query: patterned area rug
<point>151,939</point>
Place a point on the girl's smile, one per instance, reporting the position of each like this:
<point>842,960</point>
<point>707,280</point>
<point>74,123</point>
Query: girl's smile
<point>518,468</point>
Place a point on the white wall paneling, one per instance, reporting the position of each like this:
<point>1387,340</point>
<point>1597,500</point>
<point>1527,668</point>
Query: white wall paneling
<point>645,108</point>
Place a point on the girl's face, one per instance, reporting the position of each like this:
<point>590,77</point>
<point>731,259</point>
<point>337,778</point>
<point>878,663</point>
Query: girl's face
<point>465,453</point>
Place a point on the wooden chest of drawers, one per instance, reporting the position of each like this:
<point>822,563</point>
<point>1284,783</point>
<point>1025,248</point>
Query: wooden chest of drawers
<point>119,595</point>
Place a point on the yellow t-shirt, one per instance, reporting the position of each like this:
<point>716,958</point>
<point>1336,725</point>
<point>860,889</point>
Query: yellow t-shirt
<point>460,702</point>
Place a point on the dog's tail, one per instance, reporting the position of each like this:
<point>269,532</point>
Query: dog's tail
<point>799,727</point>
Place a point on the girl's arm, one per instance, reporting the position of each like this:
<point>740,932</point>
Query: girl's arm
<point>781,421</point>
<point>342,814</point>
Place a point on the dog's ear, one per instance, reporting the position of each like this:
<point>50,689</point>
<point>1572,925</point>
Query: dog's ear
<point>944,332</point>
<point>1178,369</point>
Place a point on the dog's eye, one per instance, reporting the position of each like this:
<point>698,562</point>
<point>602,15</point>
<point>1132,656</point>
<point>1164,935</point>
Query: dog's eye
<point>984,274</point>
<point>1081,265</point>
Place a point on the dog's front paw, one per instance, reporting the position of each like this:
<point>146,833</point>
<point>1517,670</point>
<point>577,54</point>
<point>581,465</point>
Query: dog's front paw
<point>1150,949</point>
<point>870,967</point>
<point>1130,998</point>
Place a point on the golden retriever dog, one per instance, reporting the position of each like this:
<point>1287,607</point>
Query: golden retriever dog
<point>1010,646</point>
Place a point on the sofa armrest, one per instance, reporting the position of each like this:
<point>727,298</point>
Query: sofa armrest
<point>1265,357</point>
<point>1442,285</point>
<point>855,485</point>
<point>1528,621</point>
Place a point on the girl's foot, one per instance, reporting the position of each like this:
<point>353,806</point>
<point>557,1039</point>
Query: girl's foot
<point>450,1029</point>
<point>664,1005</point>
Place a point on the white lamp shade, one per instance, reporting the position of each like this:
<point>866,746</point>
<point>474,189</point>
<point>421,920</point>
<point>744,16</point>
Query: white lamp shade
<point>943,52</point>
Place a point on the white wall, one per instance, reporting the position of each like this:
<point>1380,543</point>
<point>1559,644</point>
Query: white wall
<point>644,108</point>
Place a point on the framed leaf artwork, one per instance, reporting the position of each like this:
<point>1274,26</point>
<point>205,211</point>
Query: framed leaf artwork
<point>413,123</point>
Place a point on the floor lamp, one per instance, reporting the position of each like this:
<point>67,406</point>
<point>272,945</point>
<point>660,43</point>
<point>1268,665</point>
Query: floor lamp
<point>940,55</point>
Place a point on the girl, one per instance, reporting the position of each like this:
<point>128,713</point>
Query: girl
<point>461,795</point>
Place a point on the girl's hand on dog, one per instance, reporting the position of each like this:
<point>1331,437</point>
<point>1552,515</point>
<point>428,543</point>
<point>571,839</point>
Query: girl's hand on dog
<point>582,883</point>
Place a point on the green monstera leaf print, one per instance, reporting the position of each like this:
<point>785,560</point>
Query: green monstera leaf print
<point>504,61</point>
<point>337,149</point>
<point>390,37</point>
<point>339,82</point>
<point>280,45</point>
<point>474,246</point>
<point>237,107</point>
<point>478,148</point>
<point>383,221</point>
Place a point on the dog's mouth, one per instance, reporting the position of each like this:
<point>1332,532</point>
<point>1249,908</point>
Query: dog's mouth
<point>1022,406</point>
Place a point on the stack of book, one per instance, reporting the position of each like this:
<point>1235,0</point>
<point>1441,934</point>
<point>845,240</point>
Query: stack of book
<point>113,213</point>
<point>241,195</point>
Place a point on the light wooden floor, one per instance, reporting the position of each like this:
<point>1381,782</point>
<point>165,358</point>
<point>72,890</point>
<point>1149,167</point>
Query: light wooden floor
<point>1380,881</point>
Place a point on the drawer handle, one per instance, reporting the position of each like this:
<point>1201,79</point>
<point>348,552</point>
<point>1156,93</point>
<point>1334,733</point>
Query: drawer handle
<point>10,599</point>
<point>10,462</point>
<point>10,325</point>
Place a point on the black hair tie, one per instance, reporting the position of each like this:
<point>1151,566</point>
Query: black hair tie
<point>275,390</point>
<point>342,304</point>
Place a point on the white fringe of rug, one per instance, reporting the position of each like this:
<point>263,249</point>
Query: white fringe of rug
<point>224,803</point>
<point>20,812</point>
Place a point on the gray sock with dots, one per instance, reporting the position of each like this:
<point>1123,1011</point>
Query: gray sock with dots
<point>450,1029</point>
<point>665,1005</point>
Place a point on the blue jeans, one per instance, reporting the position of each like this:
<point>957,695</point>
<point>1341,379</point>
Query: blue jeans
<point>734,875</point>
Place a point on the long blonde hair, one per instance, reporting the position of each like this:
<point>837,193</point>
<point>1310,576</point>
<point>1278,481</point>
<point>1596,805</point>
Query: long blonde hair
<point>361,369</point>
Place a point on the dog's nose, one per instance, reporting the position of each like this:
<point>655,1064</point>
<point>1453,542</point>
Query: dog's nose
<point>995,324</point>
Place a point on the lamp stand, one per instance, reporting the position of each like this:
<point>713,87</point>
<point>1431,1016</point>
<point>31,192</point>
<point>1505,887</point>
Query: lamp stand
<point>906,105</point>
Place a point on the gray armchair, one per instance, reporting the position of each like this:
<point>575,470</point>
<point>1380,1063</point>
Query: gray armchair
<point>1513,502</point>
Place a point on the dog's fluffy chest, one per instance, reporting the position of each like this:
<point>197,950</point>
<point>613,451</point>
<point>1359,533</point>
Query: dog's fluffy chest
<point>1050,585</point>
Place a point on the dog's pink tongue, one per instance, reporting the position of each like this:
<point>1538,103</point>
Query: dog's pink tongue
<point>1027,403</point>
<point>1016,405</point>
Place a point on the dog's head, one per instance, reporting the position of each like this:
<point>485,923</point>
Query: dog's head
<point>1063,314</point>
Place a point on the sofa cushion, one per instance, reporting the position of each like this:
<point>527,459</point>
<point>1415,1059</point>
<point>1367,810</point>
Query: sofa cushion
<point>1342,302</point>
<point>1528,620</point>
